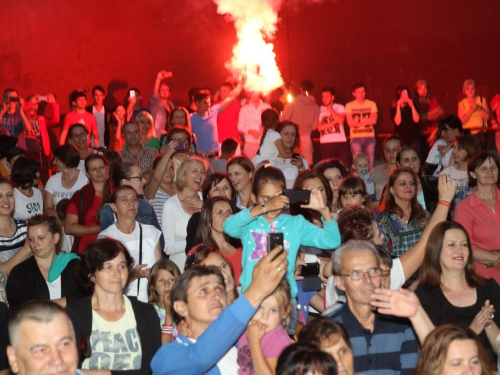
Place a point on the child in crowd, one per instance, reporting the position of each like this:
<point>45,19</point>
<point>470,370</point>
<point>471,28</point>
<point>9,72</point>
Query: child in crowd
<point>266,337</point>
<point>360,164</point>
<point>162,278</point>
<point>254,224</point>
<point>228,149</point>
<point>271,144</point>
<point>352,191</point>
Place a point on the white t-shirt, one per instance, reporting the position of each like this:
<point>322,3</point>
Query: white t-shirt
<point>268,150</point>
<point>150,237</point>
<point>28,207</point>
<point>250,119</point>
<point>115,345</point>
<point>336,133</point>
<point>55,288</point>
<point>455,174</point>
<point>227,365</point>
<point>55,187</point>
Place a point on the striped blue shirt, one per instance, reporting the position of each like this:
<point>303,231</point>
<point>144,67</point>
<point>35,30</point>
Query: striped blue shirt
<point>9,246</point>
<point>389,350</point>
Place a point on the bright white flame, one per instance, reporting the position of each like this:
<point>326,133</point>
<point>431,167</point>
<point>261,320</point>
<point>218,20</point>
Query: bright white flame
<point>289,98</point>
<point>254,20</point>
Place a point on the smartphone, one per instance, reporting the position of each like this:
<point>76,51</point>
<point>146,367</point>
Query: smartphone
<point>310,269</point>
<point>182,146</point>
<point>273,240</point>
<point>295,155</point>
<point>42,98</point>
<point>13,99</point>
<point>131,93</point>
<point>298,196</point>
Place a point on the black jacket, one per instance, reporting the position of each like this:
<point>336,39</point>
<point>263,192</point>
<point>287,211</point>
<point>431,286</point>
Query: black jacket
<point>107,120</point>
<point>148,328</point>
<point>26,283</point>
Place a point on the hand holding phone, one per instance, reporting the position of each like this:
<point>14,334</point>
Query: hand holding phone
<point>295,155</point>
<point>298,196</point>
<point>131,93</point>
<point>309,269</point>
<point>182,146</point>
<point>273,240</point>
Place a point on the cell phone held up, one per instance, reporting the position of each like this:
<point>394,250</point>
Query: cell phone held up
<point>273,240</point>
<point>295,155</point>
<point>13,99</point>
<point>309,269</point>
<point>298,196</point>
<point>182,146</point>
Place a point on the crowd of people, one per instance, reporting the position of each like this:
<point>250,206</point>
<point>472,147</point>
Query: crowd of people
<point>208,240</point>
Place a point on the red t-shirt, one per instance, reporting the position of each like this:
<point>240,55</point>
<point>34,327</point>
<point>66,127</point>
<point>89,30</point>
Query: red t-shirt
<point>235,262</point>
<point>88,220</point>
<point>227,122</point>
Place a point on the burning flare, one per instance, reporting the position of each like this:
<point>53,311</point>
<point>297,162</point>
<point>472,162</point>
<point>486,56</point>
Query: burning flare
<point>254,20</point>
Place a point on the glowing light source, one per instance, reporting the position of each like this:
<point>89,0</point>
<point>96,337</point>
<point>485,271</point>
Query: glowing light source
<point>254,20</point>
<point>289,98</point>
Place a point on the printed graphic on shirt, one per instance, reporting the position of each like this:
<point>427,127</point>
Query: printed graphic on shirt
<point>260,239</point>
<point>114,351</point>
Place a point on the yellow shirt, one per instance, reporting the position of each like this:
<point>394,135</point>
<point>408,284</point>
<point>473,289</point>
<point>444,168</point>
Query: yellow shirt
<point>359,111</point>
<point>475,120</point>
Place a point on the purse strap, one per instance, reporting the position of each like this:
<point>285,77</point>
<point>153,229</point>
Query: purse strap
<point>140,256</point>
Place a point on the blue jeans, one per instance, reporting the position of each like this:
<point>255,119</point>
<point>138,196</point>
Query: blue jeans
<point>366,145</point>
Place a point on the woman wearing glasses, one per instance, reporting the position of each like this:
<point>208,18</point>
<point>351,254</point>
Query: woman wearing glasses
<point>82,215</point>
<point>401,218</point>
<point>128,174</point>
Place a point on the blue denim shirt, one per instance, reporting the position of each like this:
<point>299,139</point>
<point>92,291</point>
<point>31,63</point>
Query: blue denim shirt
<point>146,215</point>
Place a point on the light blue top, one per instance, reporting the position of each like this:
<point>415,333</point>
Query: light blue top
<point>296,231</point>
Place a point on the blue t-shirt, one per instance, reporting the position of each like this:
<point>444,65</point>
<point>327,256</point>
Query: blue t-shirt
<point>205,129</point>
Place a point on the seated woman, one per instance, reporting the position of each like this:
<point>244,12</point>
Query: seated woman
<point>410,157</point>
<point>161,186</point>
<point>82,214</point>
<point>453,349</point>
<point>479,213</point>
<point>29,200</point>
<point>49,273</point>
<point>178,210</point>
<point>210,232</point>
<point>240,170</point>
<point>291,141</point>
<point>332,338</point>
<point>401,218</point>
<point>141,240</point>
<point>334,171</point>
<point>449,289</point>
<point>207,256</point>
<point>63,184</point>
<point>184,138</point>
<point>466,147</point>
<point>216,185</point>
<point>13,245</point>
<point>78,136</point>
<point>104,272</point>
<point>128,174</point>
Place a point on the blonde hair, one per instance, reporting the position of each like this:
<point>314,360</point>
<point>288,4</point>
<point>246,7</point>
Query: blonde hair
<point>143,117</point>
<point>283,296</point>
<point>467,83</point>
<point>360,155</point>
<point>181,171</point>
<point>163,264</point>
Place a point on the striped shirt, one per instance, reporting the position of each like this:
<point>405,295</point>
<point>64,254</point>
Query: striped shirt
<point>9,246</point>
<point>389,350</point>
<point>157,202</point>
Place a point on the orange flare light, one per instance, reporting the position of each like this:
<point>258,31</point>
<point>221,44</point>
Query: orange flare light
<point>254,21</point>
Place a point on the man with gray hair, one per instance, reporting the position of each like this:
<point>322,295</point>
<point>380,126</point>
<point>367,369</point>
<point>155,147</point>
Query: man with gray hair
<point>381,344</point>
<point>42,340</point>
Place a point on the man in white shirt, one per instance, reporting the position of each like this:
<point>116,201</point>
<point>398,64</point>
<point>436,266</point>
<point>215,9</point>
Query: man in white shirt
<point>249,123</point>
<point>331,128</point>
<point>101,114</point>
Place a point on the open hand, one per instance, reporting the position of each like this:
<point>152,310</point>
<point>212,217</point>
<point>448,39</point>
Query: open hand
<point>446,188</point>
<point>402,302</point>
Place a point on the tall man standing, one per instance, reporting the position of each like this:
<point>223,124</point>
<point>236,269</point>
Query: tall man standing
<point>159,104</point>
<point>102,115</point>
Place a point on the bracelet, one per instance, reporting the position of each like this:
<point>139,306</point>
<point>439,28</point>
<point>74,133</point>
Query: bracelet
<point>263,204</point>
<point>444,203</point>
<point>167,329</point>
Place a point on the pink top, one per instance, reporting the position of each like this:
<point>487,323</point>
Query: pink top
<point>483,227</point>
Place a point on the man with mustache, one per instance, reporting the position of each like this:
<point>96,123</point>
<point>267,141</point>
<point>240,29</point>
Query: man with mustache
<point>381,344</point>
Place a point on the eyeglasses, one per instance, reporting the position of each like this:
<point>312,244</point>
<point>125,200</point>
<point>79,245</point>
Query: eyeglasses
<point>140,177</point>
<point>360,275</point>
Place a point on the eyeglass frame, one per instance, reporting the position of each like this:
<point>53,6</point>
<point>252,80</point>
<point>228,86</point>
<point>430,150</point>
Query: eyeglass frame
<point>365,273</point>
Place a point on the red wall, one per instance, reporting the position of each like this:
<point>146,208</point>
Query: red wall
<point>59,46</point>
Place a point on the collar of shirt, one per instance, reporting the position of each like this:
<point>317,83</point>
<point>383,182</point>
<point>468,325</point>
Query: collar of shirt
<point>475,201</point>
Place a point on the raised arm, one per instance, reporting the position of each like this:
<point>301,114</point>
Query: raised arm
<point>152,187</point>
<point>233,95</point>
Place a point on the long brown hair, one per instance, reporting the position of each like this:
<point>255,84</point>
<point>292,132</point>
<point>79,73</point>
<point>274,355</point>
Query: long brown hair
<point>163,264</point>
<point>430,274</point>
<point>389,202</point>
<point>433,354</point>
<point>204,232</point>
